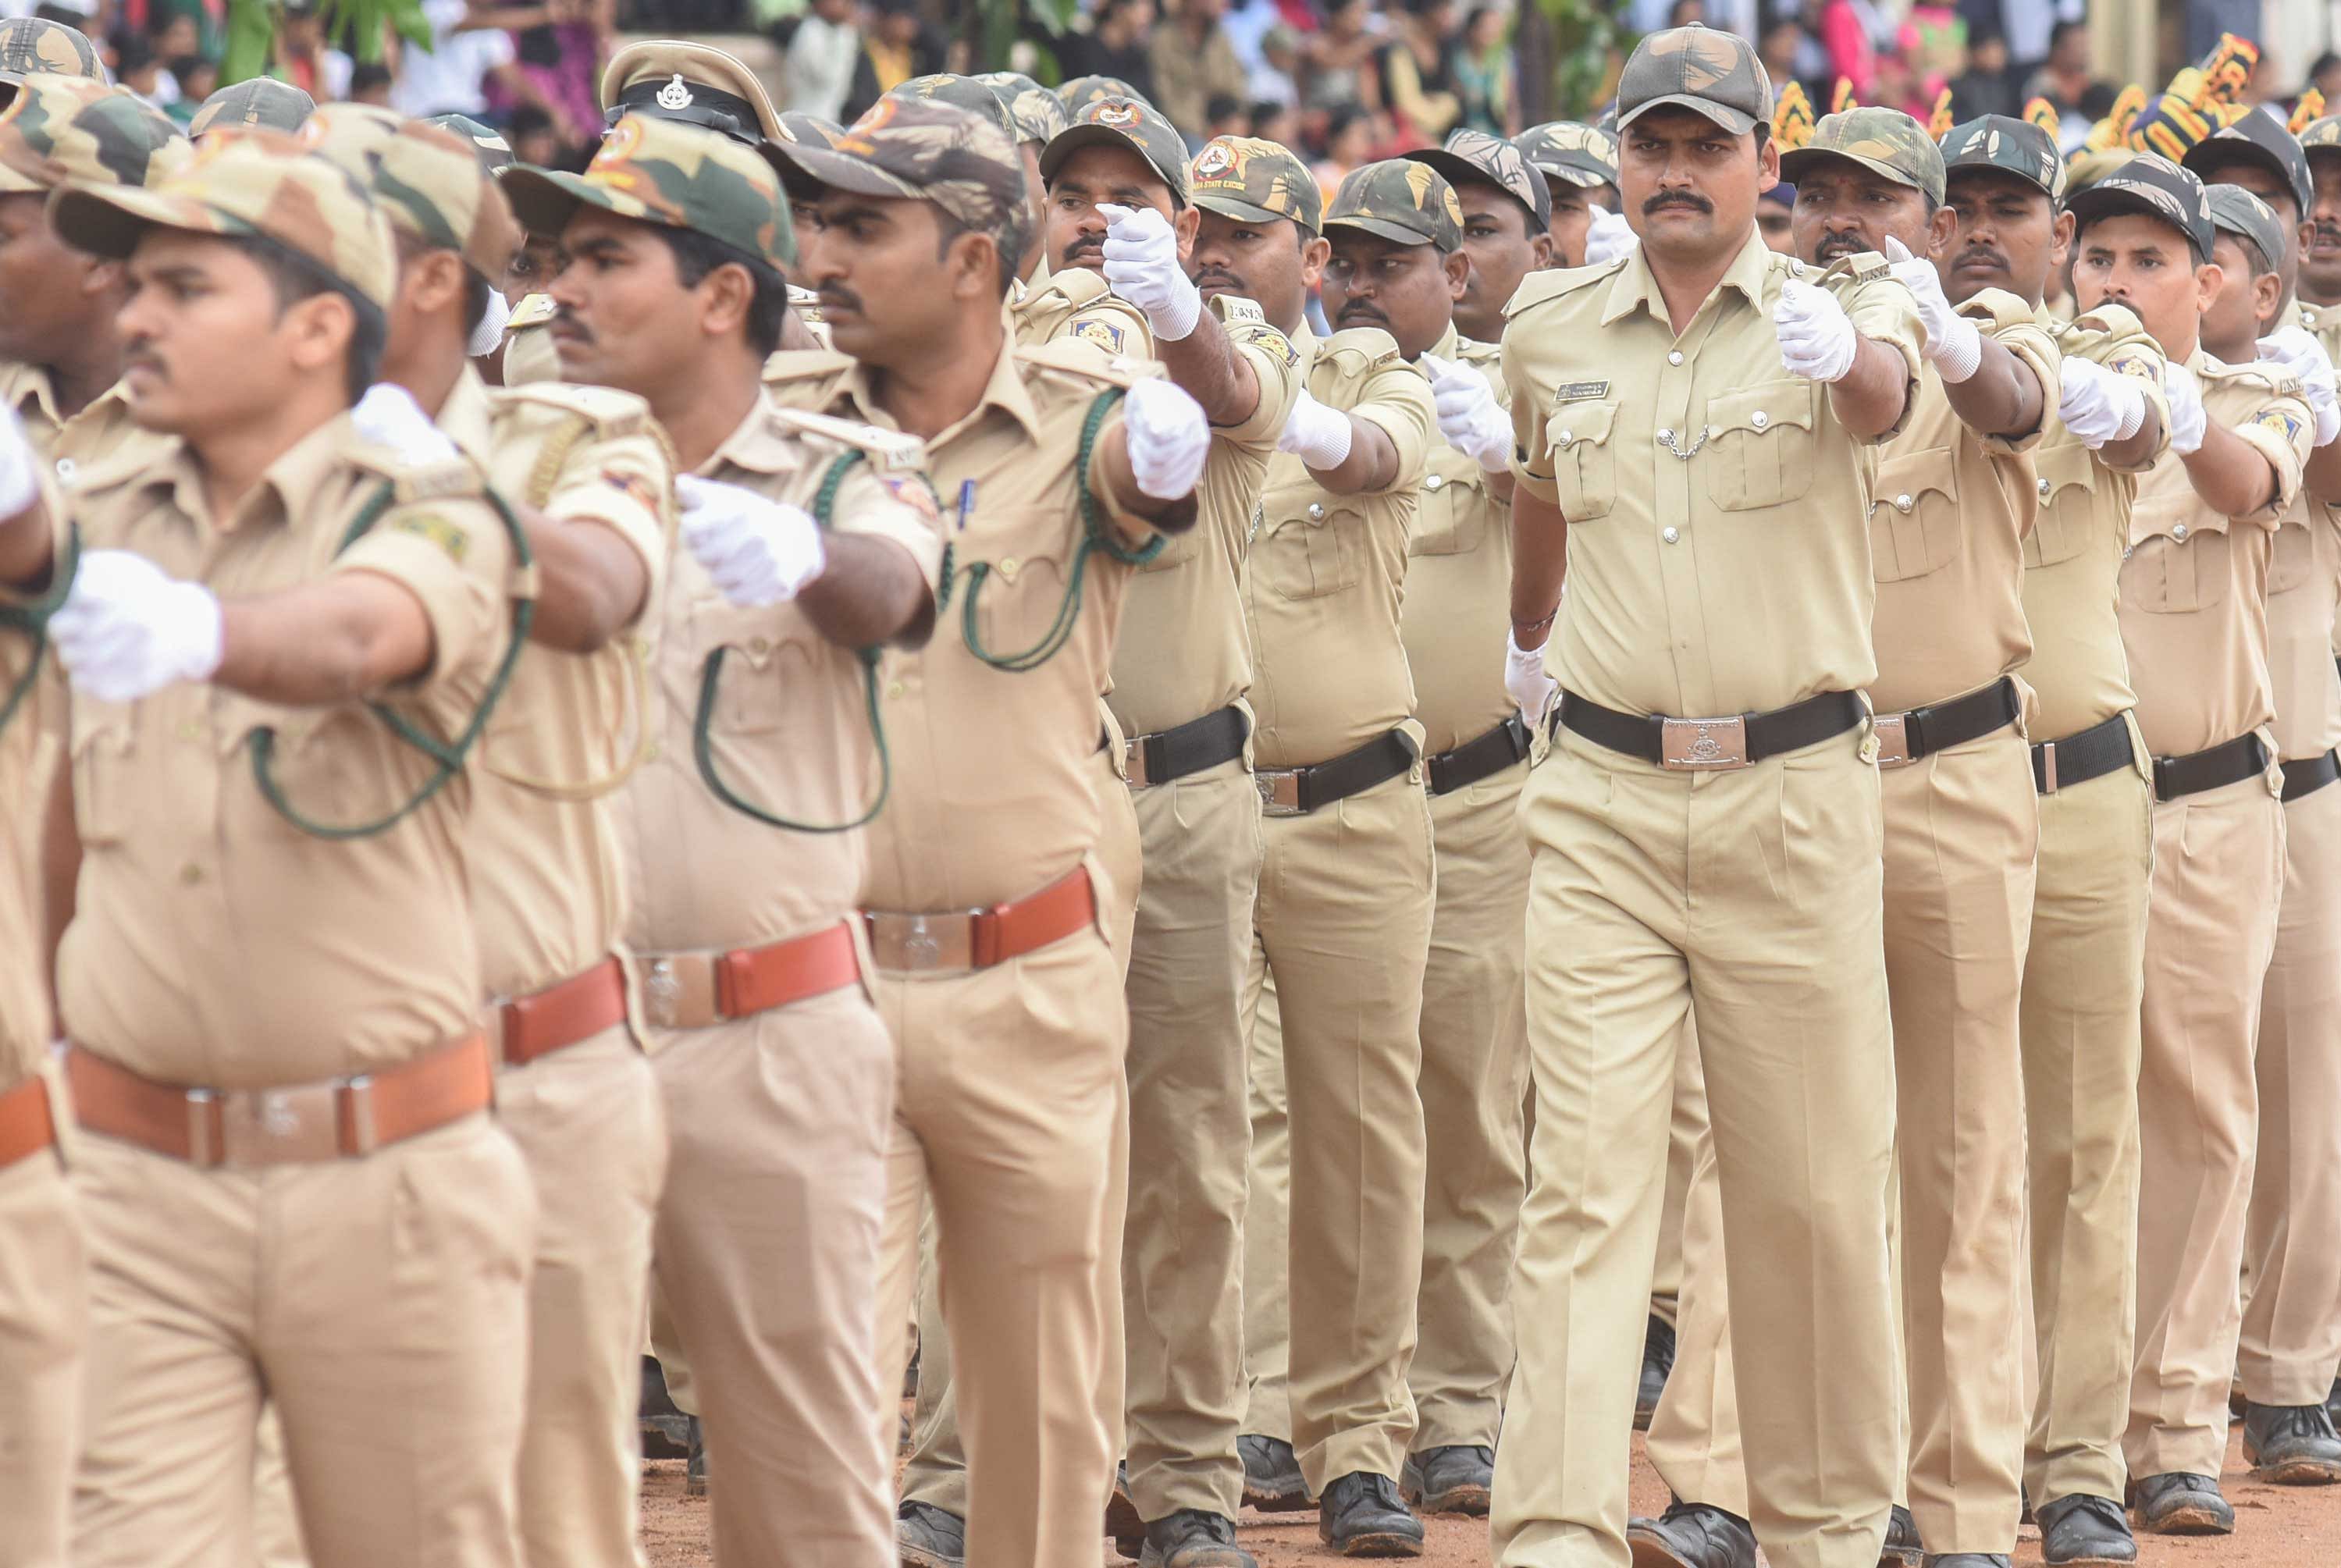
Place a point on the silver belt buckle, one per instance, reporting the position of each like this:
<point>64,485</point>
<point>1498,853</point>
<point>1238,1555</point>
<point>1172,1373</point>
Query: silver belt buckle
<point>285,1127</point>
<point>918,944</point>
<point>1280,791</point>
<point>1133,761</point>
<point>2047,768</point>
<point>677,989</point>
<point>1893,739</point>
<point>1703,745</point>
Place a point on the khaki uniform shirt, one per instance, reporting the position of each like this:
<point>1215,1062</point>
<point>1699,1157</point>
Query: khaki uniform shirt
<point>1459,582</point>
<point>71,444</point>
<point>2304,587</point>
<point>1326,573</point>
<point>2078,673</point>
<point>216,943</point>
<point>1183,652</point>
<point>1076,303</point>
<point>24,1029</point>
<point>1947,519</point>
<point>993,797</point>
<point>789,731</point>
<point>528,354</point>
<point>547,894</point>
<point>1718,561</point>
<point>2193,584</point>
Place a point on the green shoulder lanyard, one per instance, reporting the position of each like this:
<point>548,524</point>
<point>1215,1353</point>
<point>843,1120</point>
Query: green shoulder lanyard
<point>702,750</point>
<point>32,618</point>
<point>1096,539</point>
<point>449,756</point>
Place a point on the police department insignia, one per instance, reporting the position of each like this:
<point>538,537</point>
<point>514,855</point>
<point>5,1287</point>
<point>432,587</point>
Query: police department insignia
<point>675,94</point>
<point>1105,334</point>
<point>2278,422</point>
<point>1215,159</point>
<point>914,494</point>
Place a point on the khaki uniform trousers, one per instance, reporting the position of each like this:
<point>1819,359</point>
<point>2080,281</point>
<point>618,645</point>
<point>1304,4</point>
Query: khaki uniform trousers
<point>1753,899</point>
<point>1474,1082</point>
<point>2082,981</point>
<point>1343,924</point>
<point>767,1254</point>
<point>1685,1133</point>
<point>43,1312</point>
<point>1962,831</point>
<point>381,1304</point>
<point>2291,1344</point>
<point>2218,873</point>
<point>1268,1213</point>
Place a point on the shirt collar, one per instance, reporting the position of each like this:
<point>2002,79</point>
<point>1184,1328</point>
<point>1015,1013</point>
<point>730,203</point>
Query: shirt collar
<point>1004,391</point>
<point>1635,285</point>
<point>284,488</point>
<point>755,447</point>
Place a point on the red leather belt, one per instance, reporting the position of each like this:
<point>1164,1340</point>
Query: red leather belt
<point>558,1016</point>
<point>26,1127</point>
<point>980,938</point>
<point>693,990</point>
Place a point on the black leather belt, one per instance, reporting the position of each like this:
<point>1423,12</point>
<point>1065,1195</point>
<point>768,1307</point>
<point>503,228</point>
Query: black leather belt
<point>2214,767</point>
<point>1188,748</point>
<point>1711,745</point>
<point>2308,775</point>
<point>1905,737</point>
<point>1481,756</point>
<point>2090,753</point>
<point>1297,791</point>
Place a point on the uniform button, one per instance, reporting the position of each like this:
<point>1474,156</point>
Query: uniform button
<point>1434,482</point>
<point>1665,436</point>
<point>759,647</point>
<point>1669,535</point>
<point>190,873</point>
<point>651,752</point>
<point>64,468</point>
<point>1760,419</point>
<point>2179,533</point>
<point>1902,503</point>
<point>1565,438</point>
<point>1316,511</point>
<point>2044,487</point>
<point>1675,358</point>
<point>894,690</point>
<point>2128,551</point>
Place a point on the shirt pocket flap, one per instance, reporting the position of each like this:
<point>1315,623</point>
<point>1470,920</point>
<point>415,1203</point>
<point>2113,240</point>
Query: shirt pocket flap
<point>1573,422</point>
<point>1914,514</point>
<point>1761,408</point>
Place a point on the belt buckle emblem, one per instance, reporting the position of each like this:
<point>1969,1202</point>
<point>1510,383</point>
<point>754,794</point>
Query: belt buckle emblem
<point>1266,780</point>
<point>922,949</point>
<point>1703,745</point>
<point>662,993</point>
<point>1893,739</point>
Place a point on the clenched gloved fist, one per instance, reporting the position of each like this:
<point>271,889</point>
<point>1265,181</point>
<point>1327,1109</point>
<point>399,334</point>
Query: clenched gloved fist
<point>1530,689</point>
<point>20,466</point>
<point>1608,236</point>
<point>758,552</point>
<point>1169,438</point>
<point>1954,345</point>
<point>388,416</point>
<point>1142,265</point>
<point>1468,415</point>
<point>2187,426</point>
<point>2296,349</point>
<point>1816,337</point>
<point>128,629</point>
<point>1318,436</point>
<point>2100,405</point>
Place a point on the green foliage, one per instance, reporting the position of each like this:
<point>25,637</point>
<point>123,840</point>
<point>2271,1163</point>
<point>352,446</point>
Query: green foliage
<point>361,26</point>
<point>1586,42</point>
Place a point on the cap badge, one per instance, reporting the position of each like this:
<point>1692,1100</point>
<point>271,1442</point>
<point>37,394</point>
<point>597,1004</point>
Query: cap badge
<point>675,94</point>
<point>1214,160</point>
<point>1118,115</point>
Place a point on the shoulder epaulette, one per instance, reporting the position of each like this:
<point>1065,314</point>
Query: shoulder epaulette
<point>1554,283</point>
<point>533,311</point>
<point>1232,308</point>
<point>1075,286</point>
<point>1080,357</point>
<point>127,463</point>
<point>2269,374</point>
<point>1471,350</point>
<point>455,478</point>
<point>1357,349</point>
<point>805,364</point>
<point>611,411</point>
<point>1861,267</point>
<point>892,450</point>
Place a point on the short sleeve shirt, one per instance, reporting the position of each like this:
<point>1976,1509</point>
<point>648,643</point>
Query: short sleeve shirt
<point>1719,556</point>
<point>23,998</point>
<point>1458,578</point>
<point>1076,303</point>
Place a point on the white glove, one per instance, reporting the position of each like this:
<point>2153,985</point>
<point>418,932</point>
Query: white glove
<point>1318,436</point>
<point>490,333</point>
<point>1530,689</point>
<point>2185,408</point>
<point>128,629</point>
<point>1954,345</point>
<point>1169,438</point>
<point>759,551</point>
<point>1142,265</point>
<point>1468,416</point>
<point>1608,236</point>
<point>20,466</point>
<point>1816,337</point>
<point>2297,350</point>
<point>2099,405</point>
<point>388,416</point>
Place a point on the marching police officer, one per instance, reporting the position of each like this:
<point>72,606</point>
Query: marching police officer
<point>1579,165</point>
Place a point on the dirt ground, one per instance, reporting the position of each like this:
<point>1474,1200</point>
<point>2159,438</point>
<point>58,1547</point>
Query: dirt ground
<point>2275,1527</point>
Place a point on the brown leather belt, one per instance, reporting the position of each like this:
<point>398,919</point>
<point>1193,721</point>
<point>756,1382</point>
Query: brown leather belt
<point>26,1127</point>
<point>558,1016</point>
<point>694,990</point>
<point>979,938</point>
<point>340,1118</point>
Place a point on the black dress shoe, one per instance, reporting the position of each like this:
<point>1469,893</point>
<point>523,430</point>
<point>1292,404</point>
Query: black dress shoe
<point>1456,1479</point>
<point>2333,1402</point>
<point>695,1475</point>
<point>1967,1560</point>
<point>2084,1529</point>
<point>666,1431</point>
<point>1657,1363</point>
<point>1122,1520</point>
<point>1192,1538</point>
<point>1691,1535</point>
<point>2292,1444</point>
<point>1902,1548</point>
<point>1272,1482</point>
<point>1361,1515</point>
<point>2177,1504</point>
<point>926,1537</point>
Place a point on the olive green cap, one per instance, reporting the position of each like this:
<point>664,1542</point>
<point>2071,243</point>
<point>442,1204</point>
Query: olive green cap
<point>1130,123</point>
<point>1475,155</point>
<point>2236,211</point>
<point>1582,155</point>
<point>2018,147</point>
<point>1039,114</point>
<point>2150,185</point>
<point>672,172</point>
<point>1247,177</point>
<point>2321,135</point>
<point>487,144</point>
<point>64,128</point>
<point>1086,90</point>
<point>1705,69</point>
<point>925,150</point>
<point>965,93</point>
<point>1401,200</point>
<point>262,103</point>
<point>428,182</point>
<point>1886,142</point>
<point>34,44</point>
<point>796,125</point>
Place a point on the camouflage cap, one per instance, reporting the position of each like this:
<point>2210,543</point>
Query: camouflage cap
<point>924,150</point>
<point>1407,203</point>
<point>1246,177</point>
<point>1129,122</point>
<point>427,182</point>
<point>2151,184</point>
<point>487,144</point>
<point>2262,140</point>
<point>1475,155</point>
<point>669,79</point>
<point>1083,91</point>
<point>1705,69</point>
<point>2087,166</point>
<point>262,103</point>
<point>670,172</point>
<point>258,183</point>
<point>2018,147</point>
<point>2236,211</point>
<point>1582,155</point>
<point>1886,142</point>
<point>796,125</point>
<point>2321,136</point>
<point>32,44</point>
<point>1039,114</point>
<point>61,128</point>
<point>965,91</point>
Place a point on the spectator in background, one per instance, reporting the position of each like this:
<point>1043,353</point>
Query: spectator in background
<point>1349,144</point>
<point>1418,72</point>
<point>817,71</point>
<point>559,46</point>
<point>370,83</point>
<point>2325,77</point>
<point>1277,78</point>
<point>1226,115</point>
<point>1987,86</point>
<point>896,46</point>
<point>1776,212</point>
<point>1790,54</point>
<point>1118,44</point>
<point>137,67</point>
<point>534,138</point>
<point>1483,72</point>
<point>303,56</point>
<point>451,77</point>
<point>1274,121</point>
<point>198,79</point>
<point>1191,61</point>
<point>2065,78</point>
<point>1852,55</point>
<point>1339,65</point>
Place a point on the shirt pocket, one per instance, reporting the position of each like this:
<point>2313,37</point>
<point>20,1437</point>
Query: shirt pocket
<point>103,741</point>
<point>1453,517</point>
<point>2294,558</point>
<point>2176,564</point>
<point>1177,549</point>
<point>1758,445</point>
<point>1310,544</point>
<point>2067,480</point>
<point>1914,515</point>
<point>765,663</point>
<point>1023,590</point>
<point>1584,460</point>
